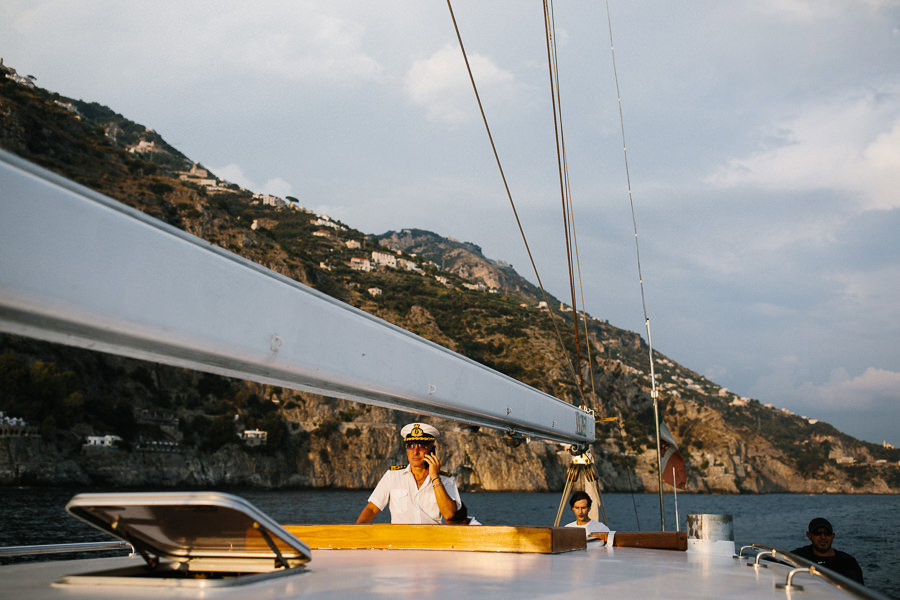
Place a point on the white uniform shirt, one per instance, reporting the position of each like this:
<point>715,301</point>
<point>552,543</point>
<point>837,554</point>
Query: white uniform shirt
<point>409,504</point>
<point>590,527</point>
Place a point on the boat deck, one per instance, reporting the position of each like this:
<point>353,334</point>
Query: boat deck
<point>614,572</point>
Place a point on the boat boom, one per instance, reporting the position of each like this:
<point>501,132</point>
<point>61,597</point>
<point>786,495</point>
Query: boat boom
<point>81,269</point>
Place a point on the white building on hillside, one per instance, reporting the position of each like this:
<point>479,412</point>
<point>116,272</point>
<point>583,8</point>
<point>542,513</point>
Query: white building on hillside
<point>255,437</point>
<point>360,264</point>
<point>102,441</point>
<point>383,259</point>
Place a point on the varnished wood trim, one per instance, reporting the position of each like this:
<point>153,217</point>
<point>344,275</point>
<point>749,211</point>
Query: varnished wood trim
<point>659,540</point>
<point>483,538</point>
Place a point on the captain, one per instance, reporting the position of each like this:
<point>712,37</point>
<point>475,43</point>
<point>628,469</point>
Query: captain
<point>417,493</point>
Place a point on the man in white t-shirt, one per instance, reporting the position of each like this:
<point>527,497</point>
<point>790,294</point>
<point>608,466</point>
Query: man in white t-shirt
<point>580,503</point>
<point>417,493</point>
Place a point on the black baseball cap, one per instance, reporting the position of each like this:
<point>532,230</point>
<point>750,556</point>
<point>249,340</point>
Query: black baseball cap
<point>820,523</point>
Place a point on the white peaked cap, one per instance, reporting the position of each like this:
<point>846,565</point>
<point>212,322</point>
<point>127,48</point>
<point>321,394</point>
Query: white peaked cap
<point>419,432</point>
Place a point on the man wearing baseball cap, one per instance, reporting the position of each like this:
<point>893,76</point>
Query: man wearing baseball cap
<point>417,493</point>
<point>820,551</point>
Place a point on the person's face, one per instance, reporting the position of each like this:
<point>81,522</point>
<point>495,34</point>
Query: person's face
<point>821,539</point>
<point>415,453</point>
<point>581,509</point>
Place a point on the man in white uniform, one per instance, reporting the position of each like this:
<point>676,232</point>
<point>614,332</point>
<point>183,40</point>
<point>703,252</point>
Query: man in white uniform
<point>417,493</point>
<point>581,505</point>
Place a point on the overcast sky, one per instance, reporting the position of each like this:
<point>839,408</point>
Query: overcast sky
<point>763,147</point>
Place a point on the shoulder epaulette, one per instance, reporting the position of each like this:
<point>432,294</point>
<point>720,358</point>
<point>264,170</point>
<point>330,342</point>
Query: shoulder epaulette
<point>398,467</point>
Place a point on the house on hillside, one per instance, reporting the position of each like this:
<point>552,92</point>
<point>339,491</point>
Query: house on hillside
<point>101,441</point>
<point>143,147</point>
<point>255,437</point>
<point>383,259</point>
<point>408,265</point>
<point>360,264</point>
<point>269,200</point>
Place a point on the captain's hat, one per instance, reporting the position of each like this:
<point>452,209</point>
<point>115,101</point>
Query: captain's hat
<point>419,432</point>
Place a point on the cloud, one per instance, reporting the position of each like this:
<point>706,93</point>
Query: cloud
<point>873,388</point>
<point>295,43</point>
<point>816,10</point>
<point>851,144</point>
<point>202,41</point>
<point>277,187</point>
<point>440,84</point>
<point>235,174</point>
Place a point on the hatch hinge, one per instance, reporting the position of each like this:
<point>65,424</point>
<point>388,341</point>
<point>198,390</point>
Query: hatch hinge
<point>279,559</point>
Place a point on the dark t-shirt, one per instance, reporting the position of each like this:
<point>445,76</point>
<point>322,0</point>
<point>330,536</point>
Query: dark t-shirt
<point>841,562</point>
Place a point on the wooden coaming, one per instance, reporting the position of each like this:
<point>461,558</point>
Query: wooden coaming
<point>483,538</point>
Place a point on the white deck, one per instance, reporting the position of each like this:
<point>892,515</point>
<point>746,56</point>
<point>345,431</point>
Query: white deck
<point>614,573</point>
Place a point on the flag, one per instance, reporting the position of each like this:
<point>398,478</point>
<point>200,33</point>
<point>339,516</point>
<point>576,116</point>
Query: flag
<point>673,470</point>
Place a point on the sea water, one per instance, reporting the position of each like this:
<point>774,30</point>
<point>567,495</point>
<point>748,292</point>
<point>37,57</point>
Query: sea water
<point>866,526</point>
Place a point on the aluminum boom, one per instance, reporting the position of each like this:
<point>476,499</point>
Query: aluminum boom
<point>81,269</point>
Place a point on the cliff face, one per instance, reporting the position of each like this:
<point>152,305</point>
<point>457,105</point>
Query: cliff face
<point>339,444</point>
<point>182,429</point>
<point>463,259</point>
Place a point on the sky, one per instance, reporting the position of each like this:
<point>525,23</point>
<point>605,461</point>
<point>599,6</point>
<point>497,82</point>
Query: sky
<point>763,148</point>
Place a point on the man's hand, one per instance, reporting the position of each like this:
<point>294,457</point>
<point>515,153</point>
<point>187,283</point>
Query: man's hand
<point>434,466</point>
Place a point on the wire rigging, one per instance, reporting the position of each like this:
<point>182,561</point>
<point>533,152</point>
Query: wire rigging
<point>568,201</point>
<point>654,393</point>
<point>568,361</point>
<point>571,237</point>
<point>561,168</point>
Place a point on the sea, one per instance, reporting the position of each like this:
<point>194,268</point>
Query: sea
<point>866,526</point>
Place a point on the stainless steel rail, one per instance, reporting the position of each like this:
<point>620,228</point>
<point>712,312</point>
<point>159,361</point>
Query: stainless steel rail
<point>16,551</point>
<point>802,566</point>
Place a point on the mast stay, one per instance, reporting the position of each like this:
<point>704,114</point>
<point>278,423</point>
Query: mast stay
<point>654,392</point>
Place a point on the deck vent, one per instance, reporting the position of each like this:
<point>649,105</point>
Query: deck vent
<point>711,534</point>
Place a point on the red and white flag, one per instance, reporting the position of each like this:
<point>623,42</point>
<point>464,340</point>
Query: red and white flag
<point>673,470</point>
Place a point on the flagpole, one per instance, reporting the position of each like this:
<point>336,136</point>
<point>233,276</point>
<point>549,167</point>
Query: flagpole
<point>654,393</point>
<point>675,493</point>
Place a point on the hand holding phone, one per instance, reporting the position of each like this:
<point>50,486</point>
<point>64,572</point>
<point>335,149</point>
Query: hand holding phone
<point>434,465</point>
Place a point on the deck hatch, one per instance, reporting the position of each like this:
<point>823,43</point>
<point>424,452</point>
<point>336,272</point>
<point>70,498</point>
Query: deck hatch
<point>184,535</point>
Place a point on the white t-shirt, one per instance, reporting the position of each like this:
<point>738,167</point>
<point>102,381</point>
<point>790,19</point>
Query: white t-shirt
<point>409,504</point>
<point>590,527</point>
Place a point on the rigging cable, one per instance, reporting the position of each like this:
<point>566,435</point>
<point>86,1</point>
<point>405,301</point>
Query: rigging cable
<point>654,393</point>
<point>562,168</point>
<point>462,48</point>
<point>568,201</point>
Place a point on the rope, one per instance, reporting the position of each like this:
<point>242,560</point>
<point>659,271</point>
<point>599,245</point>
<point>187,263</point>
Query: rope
<point>512,204</point>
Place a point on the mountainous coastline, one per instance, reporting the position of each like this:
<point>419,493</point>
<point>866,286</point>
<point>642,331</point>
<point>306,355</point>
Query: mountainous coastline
<point>76,417</point>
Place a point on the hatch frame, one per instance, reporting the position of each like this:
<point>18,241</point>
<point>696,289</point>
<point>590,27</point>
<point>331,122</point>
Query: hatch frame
<point>195,539</point>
